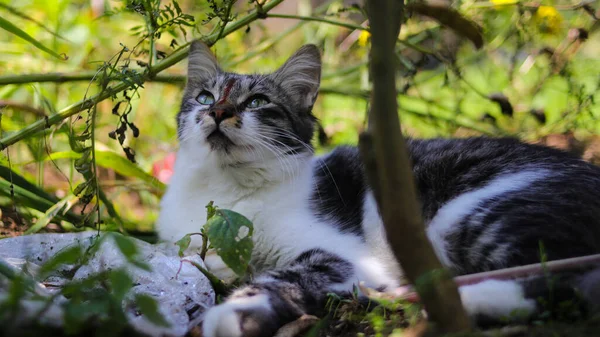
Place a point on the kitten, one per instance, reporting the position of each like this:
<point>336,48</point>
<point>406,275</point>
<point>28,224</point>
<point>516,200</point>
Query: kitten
<point>245,142</point>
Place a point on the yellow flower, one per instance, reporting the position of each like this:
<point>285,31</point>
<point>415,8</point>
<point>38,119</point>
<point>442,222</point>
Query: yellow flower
<point>363,38</point>
<point>504,2</point>
<point>548,19</point>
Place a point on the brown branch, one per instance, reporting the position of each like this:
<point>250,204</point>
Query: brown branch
<point>535,269</point>
<point>389,171</point>
<point>22,107</point>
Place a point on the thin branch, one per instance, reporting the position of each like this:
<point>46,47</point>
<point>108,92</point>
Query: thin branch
<point>533,5</point>
<point>77,77</point>
<point>169,61</point>
<point>22,107</point>
<point>535,269</point>
<point>346,25</point>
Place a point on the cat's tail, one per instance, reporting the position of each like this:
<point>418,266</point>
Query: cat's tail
<point>568,295</point>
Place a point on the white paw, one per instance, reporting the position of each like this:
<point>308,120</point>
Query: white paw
<point>224,320</point>
<point>215,265</point>
<point>499,299</point>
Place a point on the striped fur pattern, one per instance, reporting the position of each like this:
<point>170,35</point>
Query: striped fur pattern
<point>487,203</point>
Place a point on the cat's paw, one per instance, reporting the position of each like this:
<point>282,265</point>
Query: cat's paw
<point>241,317</point>
<point>216,266</point>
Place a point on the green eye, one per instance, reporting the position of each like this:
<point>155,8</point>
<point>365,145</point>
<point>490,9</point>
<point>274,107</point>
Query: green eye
<point>256,102</point>
<point>205,98</point>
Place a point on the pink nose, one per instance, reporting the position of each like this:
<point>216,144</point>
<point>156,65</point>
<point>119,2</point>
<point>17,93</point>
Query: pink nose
<point>220,114</point>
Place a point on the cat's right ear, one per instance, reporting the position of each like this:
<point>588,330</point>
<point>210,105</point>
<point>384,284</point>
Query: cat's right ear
<point>202,64</point>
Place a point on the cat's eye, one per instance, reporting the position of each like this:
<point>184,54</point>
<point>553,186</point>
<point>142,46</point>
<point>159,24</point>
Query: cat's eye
<point>256,102</point>
<point>205,98</point>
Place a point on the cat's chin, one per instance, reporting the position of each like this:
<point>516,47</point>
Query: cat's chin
<point>218,141</point>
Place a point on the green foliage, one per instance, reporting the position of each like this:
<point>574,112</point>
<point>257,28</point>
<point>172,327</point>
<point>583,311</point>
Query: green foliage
<point>230,233</point>
<point>11,28</point>
<point>148,307</point>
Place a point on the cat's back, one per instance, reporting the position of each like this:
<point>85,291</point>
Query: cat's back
<point>492,203</point>
<point>447,168</point>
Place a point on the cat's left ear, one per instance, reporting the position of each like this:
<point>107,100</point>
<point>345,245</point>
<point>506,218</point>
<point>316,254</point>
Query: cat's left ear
<point>300,76</point>
<point>202,64</point>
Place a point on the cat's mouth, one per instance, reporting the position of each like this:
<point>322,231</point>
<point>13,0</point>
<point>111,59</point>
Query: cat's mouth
<point>218,140</point>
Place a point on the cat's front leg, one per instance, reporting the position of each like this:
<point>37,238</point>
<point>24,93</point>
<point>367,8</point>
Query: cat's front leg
<point>280,296</point>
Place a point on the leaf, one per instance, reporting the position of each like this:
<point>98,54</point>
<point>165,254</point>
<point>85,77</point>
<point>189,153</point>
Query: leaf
<point>16,12</point>
<point>210,210</point>
<point>148,307</point>
<point>230,233</point>
<point>129,249</point>
<point>111,160</point>
<point>451,18</point>
<point>29,195</point>
<point>62,206</point>
<point>69,255</point>
<point>17,179</point>
<point>184,243</point>
<point>120,282</point>
<point>126,245</point>
<point>8,26</point>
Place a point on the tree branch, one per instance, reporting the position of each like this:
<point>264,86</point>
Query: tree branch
<point>556,266</point>
<point>85,76</point>
<point>389,171</point>
<point>22,107</point>
<point>169,61</point>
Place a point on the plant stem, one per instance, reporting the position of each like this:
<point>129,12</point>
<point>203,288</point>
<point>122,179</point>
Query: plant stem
<point>346,25</point>
<point>76,77</point>
<point>22,107</point>
<point>389,172</point>
<point>169,61</point>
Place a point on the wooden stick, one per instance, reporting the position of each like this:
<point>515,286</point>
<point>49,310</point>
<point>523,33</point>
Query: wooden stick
<point>575,263</point>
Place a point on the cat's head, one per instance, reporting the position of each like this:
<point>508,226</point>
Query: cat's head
<point>242,118</point>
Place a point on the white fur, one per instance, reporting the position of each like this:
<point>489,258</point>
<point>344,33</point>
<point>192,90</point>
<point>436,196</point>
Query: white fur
<point>496,299</point>
<point>452,212</point>
<point>224,321</point>
<point>284,225</point>
<point>276,200</point>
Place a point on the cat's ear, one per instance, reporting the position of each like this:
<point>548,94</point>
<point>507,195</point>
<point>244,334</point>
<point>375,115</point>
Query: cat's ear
<point>202,64</point>
<point>301,74</point>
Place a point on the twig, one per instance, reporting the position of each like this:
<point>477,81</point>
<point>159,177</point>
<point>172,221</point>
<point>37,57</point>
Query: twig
<point>22,107</point>
<point>169,61</point>
<point>345,25</point>
<point>217,284</point>
<point>77,77</point>
<point>390,172</point>
<point>533,5</point>
<point>575,263</point>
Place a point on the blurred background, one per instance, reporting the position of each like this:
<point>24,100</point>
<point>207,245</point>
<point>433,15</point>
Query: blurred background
<point>536,77</point>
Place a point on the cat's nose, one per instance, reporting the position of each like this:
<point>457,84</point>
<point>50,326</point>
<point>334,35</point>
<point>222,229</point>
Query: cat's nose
<point>220,114</point>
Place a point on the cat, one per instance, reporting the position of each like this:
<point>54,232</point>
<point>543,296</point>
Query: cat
<point>245,143</point>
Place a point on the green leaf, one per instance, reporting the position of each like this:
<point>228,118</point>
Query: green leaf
<point>111,160</point>
<point>210,210</point>
<point>17,179</point>
<point>69,255</point>
<point>148,307</point>
<point>120,283</point>
<point>184,243</point>
<point>62,206</point>
<point>8,26</point>
<point>126,245</point>
<point>230,233</point>
<point>129,249</point>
